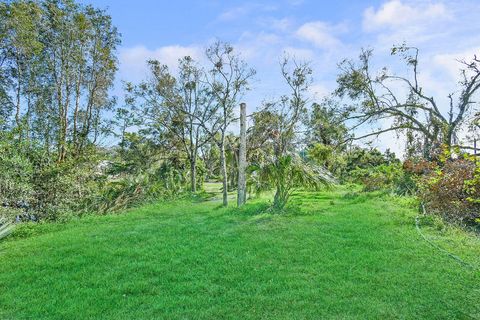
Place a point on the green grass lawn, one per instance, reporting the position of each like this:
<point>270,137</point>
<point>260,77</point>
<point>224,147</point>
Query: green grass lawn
<point>330,256</point>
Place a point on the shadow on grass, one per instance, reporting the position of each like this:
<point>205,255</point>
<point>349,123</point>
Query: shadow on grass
<point>202,196</point>
<point>262,208</point>
<point>251,209</point>
<point>311,196</point>
<point>295,209</point>
<point>361,197</point>
<point>301,203</point>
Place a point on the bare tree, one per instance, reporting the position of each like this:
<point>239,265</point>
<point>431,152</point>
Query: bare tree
<point>228,80</point>
<point>417,113</point>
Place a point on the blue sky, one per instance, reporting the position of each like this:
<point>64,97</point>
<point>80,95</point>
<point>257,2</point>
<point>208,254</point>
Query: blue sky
<point>322,32</point>
<point>156,23</point>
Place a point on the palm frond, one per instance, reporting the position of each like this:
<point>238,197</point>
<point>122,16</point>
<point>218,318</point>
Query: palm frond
<point>285,174</point>
<point>5,228</point>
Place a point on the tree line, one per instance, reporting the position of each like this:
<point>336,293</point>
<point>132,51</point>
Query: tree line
<point>58,61</point>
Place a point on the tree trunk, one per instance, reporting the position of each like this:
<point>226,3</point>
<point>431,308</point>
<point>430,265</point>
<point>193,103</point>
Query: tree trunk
<point>280,198</point>
<point>242,158</point>
<point>223,164</point>
<point>17,112</point>
<point>449,138</point>
<point>193,175</point>
<point>19,93</point>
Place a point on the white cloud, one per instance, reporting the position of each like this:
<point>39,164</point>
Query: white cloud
<point>283,24</point>
<point>243,10</point>
<point>451,61</point>
<point>321,34</point>
<point>396,14</point>
<point>258,46</point>
<point>234,13</point>
<point>133,61</point>
<point>319,91</point>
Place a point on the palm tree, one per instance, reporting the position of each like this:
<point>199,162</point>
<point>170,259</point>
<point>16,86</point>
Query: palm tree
<point>286,174</point>
<point>276,130</point>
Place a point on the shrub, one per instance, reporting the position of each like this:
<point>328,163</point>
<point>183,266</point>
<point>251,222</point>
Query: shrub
<point>419,166</point>
<point>450,191</point>
<point>376,178</point>
<point>385,177</point>
<point>129,189</point>
<point>33,186</point>
<point>16,171</point>
<point>62,190</point>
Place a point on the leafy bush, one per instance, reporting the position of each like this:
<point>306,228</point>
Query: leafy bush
<point>164,182</point>
<point>33,186</point>
<point>391,177</point>
<point>450,191</point>
<point>16,171</point>
<point>353,164</point>
<point>378,177</point>
<point>64,189</point>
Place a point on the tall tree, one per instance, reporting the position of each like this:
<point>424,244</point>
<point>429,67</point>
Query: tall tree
<point>416,112</point>
<point>279,123</point>
<point>228,79</point>
<point>181,104</point>
<point>58,61</point>
<point>20,50</point>
<point>80,45</point>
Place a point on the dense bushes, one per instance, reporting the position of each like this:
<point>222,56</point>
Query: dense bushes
<point>62,190</point>
<point>164,182</point>
<point>385,176</point>
<point>15,179</point>
<point>449,186</point>
<point>370,168</point>
<point>56,192</point>
<point>34,186</point>
<point>451,191</point>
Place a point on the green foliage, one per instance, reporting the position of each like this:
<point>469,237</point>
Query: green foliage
<point>64,190</point>
<point>356,162</point>
<point>370,168</point>
<point>363,158</point>
<point>320,153</point>
<point>451,190</point>
<point>16,174</point>
<point>334,160</point>
<point>326,125</point>
<point>57,67</point>
<point>286,174</point>
<point>472,186</point>
<point>383,177</point>
<point>33,186</point>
